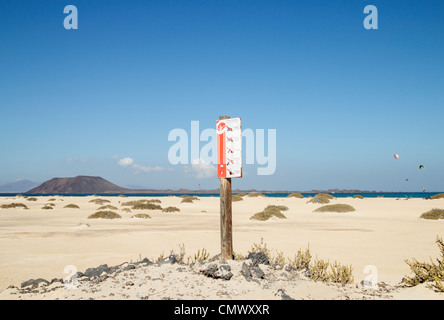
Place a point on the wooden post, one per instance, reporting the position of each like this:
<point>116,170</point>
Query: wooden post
<point>226,234</point>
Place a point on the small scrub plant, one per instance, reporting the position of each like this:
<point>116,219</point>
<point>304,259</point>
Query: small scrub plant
<point>255,195</point>
<point>295,195</point>
<point>358,196</point>
<point>31,199</point>
<point>170,209</point>
<point>324,195</point>
<point>107,207</point>
<point>319,200</point>
<point>14,205</point>
<point>438,196</point>
<point>301,260</point>
<point>336,208</point>
<point>52,199</point>
<point>99,201</point>
<point>432,273</point>
<point>434,214</point>
<point>187,200</point>
<point>269,212</point>
<point>71,206</point>
<point>146,206</point>
<point>104,215</point>
<point>47,207</point>
<point>199,256</point>
<point>236,197</point>
<point>126,210</point>
<point>141,216</point>
<point>260,247</point>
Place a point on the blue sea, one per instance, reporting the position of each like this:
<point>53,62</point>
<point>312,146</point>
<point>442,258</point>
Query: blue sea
<point>274,195</point>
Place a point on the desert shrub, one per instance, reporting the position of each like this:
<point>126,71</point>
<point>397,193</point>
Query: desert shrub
<point>241,194</point>
<point>324,195</point>
<point>319,270</point>
<point>187,200</point>
<point>340,273</point>
<point>269,212</point>
<point>301,260</point>
<point>320,200</point>
<point>358,196</point>
<point>107,207</point>
<point>71,206</point>
<point>126,210</point>
<point>104,215</point>
<point>52,199</point>
<point>138,202</point>
<point>295,195</point>
<point>14,205</point>
<point>122,196</point>
<point>199,256</point>
<point>433,214</point>
<point>336,208</point>
<point>50,204</point>
<point>99,201</point>
<point>141,216</point>
<point>260,247</point>
<point>255,194</point>
<point>31,199</point>
<point>427,272</point>
<point>146,206</point>
<point>438,196</point>
<point>47,207</point>
<point>236,197</point>
<point>170,209</point>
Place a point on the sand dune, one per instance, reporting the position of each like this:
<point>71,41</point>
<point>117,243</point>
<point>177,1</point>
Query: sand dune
<point>383,233</point>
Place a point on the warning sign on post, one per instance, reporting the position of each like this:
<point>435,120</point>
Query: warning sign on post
<point>229,148</point>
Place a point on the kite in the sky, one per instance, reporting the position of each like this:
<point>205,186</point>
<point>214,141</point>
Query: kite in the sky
<point>396,156</point>
<point>421,167</point>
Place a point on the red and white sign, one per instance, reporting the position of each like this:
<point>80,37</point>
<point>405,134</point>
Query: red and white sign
<point>229,148</point>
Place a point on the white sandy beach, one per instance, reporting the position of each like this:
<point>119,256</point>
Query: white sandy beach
<point>382,232</point>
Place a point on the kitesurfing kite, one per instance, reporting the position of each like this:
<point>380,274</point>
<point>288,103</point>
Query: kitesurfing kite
<point>396,156</point>
<point>421,167</point>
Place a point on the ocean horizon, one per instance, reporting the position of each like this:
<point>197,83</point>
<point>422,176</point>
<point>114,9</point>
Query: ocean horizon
<point>268,194</point>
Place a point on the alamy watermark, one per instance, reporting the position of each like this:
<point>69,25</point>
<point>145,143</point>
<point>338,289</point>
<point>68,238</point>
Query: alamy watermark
<point>187,148</point>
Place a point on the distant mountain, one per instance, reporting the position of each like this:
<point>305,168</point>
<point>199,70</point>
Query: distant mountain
<point>80,184</point>
<point>18,186</point>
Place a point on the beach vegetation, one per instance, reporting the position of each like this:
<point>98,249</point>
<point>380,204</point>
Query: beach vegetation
<point>71,206</point>
<point>141,216</point>
<point>236,197</point>
<point>126,210</point>
<point>431,273</point>
<point>99,201</point>
<point>295,195</point>
<point>14,205</point>
<point>200,256</point>
<point>336,208</point>
<point>241,194</point>
<point>47,207</point>
<point>358,196</point>
<point>324,195</point>
<point>301,260</point>
<point>438,196</point>
<point>104,215</point>
<point>269,212</point>
<point>255,194</point>
<point>171,209</point>
<point>31,199</point>
<point>146,206</point>
<point>320,199</point>
<point>434,214</point>
<point>52,199</point>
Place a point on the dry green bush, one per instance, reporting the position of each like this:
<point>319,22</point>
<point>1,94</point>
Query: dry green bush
<point>72,206</point>
<point>336,208</point>
<point>52,199</point>
<point>199,256</point>
<point>47,207</point>
<point>269,212</point>
<point>187,200</point>
<point>358,196</point>
<point>171,209</point>
<point>434,214</point>
<point>146,206</point>
<point>236,197</point>
<point>104,215</point>
<point>126,210</point>
<point>319,199</point>
<point>438,196</point>
<point>301,260</point>
<point>31,199</point>
<point>99,201</point>
<point>14,205</point>
<point>432,272</point>
<point>255,194</point>
<point>324,195</point>
<point>295,195</point>
<point>107,207</point>
<point>141,216</point>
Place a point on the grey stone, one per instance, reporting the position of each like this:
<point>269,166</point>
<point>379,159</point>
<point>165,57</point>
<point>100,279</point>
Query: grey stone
<point>34,283</point>
<point>95,272</point>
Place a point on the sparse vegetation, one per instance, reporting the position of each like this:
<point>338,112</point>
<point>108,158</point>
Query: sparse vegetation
<point>52,199</point>
<point>336,208</point>
<point>104,215</point>
<point>146,206</point>
<point>432,272</point>
<point>295,195</point>
<point>434,214</point>
<point>438,196</point>
<point>269,212</point>
<point>141,216</point>
<point>47,207</point>
<point>321,198</point>
<point>236,197</point>
<point>199,256</point>
<point>171,209</point>
<point>126,210</point>
<point>107,207</point>
<point>188,199</point>
<point>139,202</point>
<point>71,206</point>
<point>31,199</point>
<point>255,194</point>
<point>301,260</point>
<point>99,201</point>
<point>358,196</point>
<point>14,205</point>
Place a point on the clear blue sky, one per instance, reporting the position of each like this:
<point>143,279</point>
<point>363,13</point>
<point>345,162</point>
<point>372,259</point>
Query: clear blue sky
<point>343,99</point>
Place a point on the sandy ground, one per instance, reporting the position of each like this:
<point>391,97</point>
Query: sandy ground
<point>377,238</point>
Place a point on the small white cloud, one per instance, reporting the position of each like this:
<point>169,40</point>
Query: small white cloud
<point>201,170</point>
<point>147,169</point>
<point>125,162</point>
